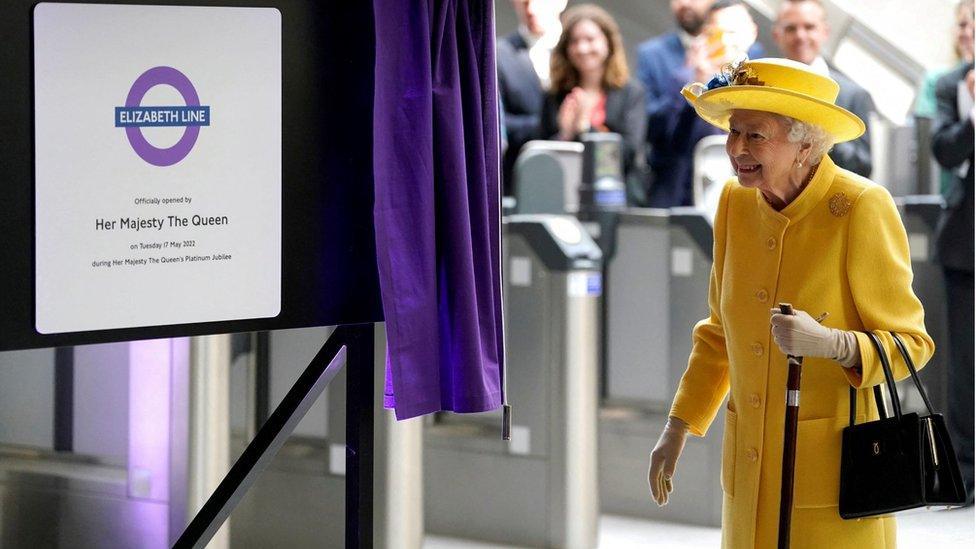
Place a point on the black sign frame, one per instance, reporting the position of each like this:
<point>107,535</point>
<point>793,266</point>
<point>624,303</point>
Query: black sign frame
<point>328,260</point>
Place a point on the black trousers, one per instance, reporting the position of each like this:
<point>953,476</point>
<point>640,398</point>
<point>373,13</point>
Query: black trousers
<point>959,293</point>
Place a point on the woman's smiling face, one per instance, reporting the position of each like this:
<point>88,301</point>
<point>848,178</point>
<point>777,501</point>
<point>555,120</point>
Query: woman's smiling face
<point>588,47</point>
<point>759,149</point>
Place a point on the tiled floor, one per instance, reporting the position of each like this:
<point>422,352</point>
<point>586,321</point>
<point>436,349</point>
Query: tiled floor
<point>922,529</point>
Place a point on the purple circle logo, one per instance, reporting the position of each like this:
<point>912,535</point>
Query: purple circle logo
<point>133,116</point>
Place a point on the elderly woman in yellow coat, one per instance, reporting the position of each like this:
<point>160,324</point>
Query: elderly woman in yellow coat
<point>791,227</point>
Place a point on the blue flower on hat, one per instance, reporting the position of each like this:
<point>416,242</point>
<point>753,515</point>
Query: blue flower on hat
<point>717,81</point>
<point>734,74</point>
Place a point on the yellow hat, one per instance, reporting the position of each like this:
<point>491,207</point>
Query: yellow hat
<point>779,86</point>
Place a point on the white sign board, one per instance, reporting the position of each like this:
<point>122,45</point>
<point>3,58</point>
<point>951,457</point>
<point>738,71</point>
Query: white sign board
<point>157,165</point>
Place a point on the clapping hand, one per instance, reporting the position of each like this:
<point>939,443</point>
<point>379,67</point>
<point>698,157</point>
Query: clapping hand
<point>575,113</point>
<point>567,117</point>
<point>701,59</point>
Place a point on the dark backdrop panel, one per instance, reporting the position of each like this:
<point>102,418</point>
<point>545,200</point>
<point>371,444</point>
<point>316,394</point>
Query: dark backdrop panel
<point>328,251</point>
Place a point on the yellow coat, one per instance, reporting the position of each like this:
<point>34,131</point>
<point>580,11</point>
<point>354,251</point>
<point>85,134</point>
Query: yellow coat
<point>839,247</point>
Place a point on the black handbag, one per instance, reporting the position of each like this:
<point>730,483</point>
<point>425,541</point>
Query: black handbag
<point>897,463</point>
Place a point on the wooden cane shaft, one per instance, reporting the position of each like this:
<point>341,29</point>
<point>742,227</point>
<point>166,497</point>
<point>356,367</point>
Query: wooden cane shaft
<point>789,450</point>
<point>793,376</point>
<point>789,441</point>
<point>786,493</point>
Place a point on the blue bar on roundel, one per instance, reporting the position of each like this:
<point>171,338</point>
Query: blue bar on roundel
<point>162,116</point>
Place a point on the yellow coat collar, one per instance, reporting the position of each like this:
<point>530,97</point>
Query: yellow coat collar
<point>803,204</point>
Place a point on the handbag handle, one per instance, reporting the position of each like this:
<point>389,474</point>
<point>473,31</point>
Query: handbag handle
<point>889,381</point>
<point>911,369</point>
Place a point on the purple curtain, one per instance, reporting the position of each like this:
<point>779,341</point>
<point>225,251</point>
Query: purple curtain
<point>435,163</point>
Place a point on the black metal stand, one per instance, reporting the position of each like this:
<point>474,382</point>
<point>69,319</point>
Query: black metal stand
<point>350,344</point>
<point>64,399</point>
<point>359,438</point>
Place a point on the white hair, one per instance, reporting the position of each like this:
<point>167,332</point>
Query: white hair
<point>819,139</point>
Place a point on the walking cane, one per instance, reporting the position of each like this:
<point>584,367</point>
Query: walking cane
<point>789,441</point>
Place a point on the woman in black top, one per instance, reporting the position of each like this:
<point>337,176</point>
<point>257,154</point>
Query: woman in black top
<point>591,89</point>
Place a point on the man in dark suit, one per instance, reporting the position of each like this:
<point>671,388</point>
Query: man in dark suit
<point>522,59</point>
<point>664,65</point>
<point>801,30</point>
<point>952,145</point>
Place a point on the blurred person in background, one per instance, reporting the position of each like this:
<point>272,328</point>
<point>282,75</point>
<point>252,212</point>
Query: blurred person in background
<point>952,145</point>
<point>801,31</point>
<point>710,34</point>
<point>591,88</point>
<point>663,68</point>
<point>523,74</point>
<point>791,227</point>
<point>962,42</point>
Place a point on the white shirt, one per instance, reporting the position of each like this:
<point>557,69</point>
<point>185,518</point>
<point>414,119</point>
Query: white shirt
<point>819,66</point>
<point>964,104</point>
<point>540,50</point>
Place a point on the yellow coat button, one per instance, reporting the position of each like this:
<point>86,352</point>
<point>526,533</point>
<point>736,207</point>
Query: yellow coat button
<point>771,243</point>
<point>752,455</point>
<point>757,348</point>
<point>754,400</point>
<point>762,295</point>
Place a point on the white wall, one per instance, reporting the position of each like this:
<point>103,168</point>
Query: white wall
<point>27,398</point>
<point>923,29</point>
<point>101,401</point>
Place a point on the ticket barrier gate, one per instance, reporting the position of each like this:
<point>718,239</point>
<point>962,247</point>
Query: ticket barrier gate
<point>711,169</point>
<point>547,177</point>
<point>920,214</point>
<point>657,290</point>
<point>540,488</point>
<point>656,284</point>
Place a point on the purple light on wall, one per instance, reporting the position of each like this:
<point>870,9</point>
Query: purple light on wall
<point>150,410</point>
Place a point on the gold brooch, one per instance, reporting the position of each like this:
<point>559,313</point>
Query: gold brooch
<point>840,205</point>
<point>747,77</point>
<point>738,74</point>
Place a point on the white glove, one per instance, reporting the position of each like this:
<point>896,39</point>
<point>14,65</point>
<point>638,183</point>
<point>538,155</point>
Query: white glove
<point>800,334</point>
<point>664,458</point>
